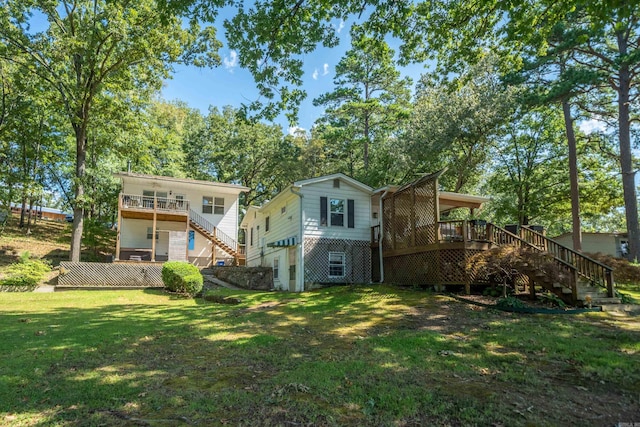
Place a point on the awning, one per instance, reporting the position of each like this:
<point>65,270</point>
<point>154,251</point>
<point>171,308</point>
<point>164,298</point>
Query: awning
<point>290,241</point>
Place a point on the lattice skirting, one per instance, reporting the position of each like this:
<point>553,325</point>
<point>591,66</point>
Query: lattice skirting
<point>95,274</point>
<point>437,267</point>
<point>316,261</point>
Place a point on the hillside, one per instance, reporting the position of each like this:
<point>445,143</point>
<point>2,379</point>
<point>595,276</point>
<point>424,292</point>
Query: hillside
<point>50,240</point>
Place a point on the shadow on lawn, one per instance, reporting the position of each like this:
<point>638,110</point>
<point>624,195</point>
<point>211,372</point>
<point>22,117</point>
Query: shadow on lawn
<point>349,356</point>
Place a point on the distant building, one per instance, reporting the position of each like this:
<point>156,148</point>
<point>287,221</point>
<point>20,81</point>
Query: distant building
<point>614,244</point>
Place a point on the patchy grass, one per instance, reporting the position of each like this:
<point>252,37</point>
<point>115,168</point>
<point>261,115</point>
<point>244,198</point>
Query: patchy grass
<point>339,356</point>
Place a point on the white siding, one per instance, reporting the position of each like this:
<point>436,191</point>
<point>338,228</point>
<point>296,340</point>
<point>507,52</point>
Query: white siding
<point>362,207</point>
<point>227,223</point>
<point>592,243</point>
<point>134,232</point>
<point>282,226</point>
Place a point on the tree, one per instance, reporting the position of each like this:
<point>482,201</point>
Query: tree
<point>98,48</point>
<point>455,123</point>
<point>230,148</point>
<point>370,100</point>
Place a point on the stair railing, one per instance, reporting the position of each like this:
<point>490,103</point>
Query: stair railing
<point>594,271</point>
<point>213,230</point>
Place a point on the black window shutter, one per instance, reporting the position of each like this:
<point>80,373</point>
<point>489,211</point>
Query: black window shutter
<point>323,211</point>
<point>351,223</point>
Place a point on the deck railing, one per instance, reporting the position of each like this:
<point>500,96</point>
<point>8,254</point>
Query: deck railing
<point>481,231</point>
<point>163,204</point>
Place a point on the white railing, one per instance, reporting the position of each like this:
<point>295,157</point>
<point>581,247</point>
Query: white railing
<point>164,204</point>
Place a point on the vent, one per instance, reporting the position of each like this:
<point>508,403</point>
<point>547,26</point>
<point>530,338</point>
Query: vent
<point>336,183</point>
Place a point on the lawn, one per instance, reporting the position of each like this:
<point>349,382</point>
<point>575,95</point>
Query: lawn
<point>373,355</point>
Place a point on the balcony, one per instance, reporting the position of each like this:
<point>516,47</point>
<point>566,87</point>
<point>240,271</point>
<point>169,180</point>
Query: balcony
<point>144,207</point>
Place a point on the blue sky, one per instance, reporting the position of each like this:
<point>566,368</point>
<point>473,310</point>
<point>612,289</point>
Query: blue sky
<point>229,84</point>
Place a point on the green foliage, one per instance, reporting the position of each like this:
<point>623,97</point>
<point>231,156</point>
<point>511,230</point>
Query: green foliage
<point>510,302</point>
<point>552,299</point>
<point>182,277</point>
<point>25,274</point>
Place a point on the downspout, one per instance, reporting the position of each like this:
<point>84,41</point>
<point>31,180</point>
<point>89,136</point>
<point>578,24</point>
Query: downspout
<point>300,272</point>
<point>380,237</point>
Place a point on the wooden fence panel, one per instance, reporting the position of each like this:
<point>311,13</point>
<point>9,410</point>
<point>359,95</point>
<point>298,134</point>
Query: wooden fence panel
<point>96,274</point>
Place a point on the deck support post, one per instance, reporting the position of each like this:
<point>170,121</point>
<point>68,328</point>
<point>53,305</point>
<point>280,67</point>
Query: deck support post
<point>153,230</point>
<point>119,228</point>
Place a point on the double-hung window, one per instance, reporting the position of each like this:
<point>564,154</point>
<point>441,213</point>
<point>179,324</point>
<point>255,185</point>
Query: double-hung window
<point>207,205</point>
<point>218,206</point>
<point>276,267</point>
<point>336,207</point>
<point>336,264</point>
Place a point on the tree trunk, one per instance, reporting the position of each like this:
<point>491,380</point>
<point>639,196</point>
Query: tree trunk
<point>78,203</point>
<point>573,176</point>
<point>626,163</point>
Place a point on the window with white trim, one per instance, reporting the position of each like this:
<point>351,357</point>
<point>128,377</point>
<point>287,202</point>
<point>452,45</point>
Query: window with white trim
<point>207,205</point>
<point>150,233</point>
<point>218,206</point>
<point>336,264</point>
<point>276,267</point>
<point>336,208</point>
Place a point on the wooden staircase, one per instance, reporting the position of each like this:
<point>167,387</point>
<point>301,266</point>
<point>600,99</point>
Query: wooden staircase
<point>585,281</point>
<point>217,237</point>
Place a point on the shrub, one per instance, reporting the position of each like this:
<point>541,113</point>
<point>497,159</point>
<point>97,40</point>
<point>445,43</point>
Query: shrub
<point>25,274</point>
<point>182,277</point>
<point>623,270</point>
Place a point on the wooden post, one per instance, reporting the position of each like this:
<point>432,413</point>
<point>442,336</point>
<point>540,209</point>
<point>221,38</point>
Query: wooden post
<point>213,248</point>
<point>413,216</point>
<point>117,257</point>
<point>465,236</point>
<point>194,237</point>
<point>153,231</point>
<point>609,279</point>
<point>574,285</point>
<point>532,288</point>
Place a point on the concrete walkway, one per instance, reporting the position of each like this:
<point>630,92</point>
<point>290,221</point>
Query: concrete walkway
<point>216,281</point>
<point>45,289</point>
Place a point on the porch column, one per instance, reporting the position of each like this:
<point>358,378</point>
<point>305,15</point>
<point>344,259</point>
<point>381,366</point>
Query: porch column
<point>117,257</point>
<point>153,231</point>
<point>187,248</point>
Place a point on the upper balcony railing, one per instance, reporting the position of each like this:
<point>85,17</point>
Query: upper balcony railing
<point>159,204</point>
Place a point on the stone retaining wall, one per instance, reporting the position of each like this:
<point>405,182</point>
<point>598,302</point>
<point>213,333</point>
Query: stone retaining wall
<point>252,278</point>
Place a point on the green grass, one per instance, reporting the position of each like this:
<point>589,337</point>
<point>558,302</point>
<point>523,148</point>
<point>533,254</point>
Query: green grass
<point>341,356</point>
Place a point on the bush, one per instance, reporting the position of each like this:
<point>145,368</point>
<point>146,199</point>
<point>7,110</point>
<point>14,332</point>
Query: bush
<point>623,270</point>
<point>182,277</point>
<point>25,274</point>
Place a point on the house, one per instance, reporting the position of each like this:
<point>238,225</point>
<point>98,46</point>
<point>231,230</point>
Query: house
<point>162,218</point>
<point>41,212</point>
<point>614,244</point>
<point>315,232</point>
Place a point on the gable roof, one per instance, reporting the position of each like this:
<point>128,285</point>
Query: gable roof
<point>348,179</point>
<point>139,176</point>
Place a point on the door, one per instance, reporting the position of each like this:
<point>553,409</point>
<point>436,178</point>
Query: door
<point>162,246</point>
<point>292,269</point>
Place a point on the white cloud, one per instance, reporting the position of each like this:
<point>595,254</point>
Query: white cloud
<point>592,125</point>
<point>315,74</point>
<point>325,69</point>
<point>340,26</point>
<point>231,61</point>
<point>296,130</point>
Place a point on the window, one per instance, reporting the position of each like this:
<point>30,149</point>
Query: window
<point>147,199</point>
<point>375,215</point>
<point>207,205</point>
<point>337,212</point>
<point>251,237</point>
<point>218,206</point>
<point>266,224</point>
<point>276,267</point>
<point>179,201</point>
<point>150,233</point>
<point>336,264</point>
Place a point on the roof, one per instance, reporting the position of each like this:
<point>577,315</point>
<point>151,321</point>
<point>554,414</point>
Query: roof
<point>348,179</point>
<point>448,200</point>
<point>123,175</point>
<point>40,208</point>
